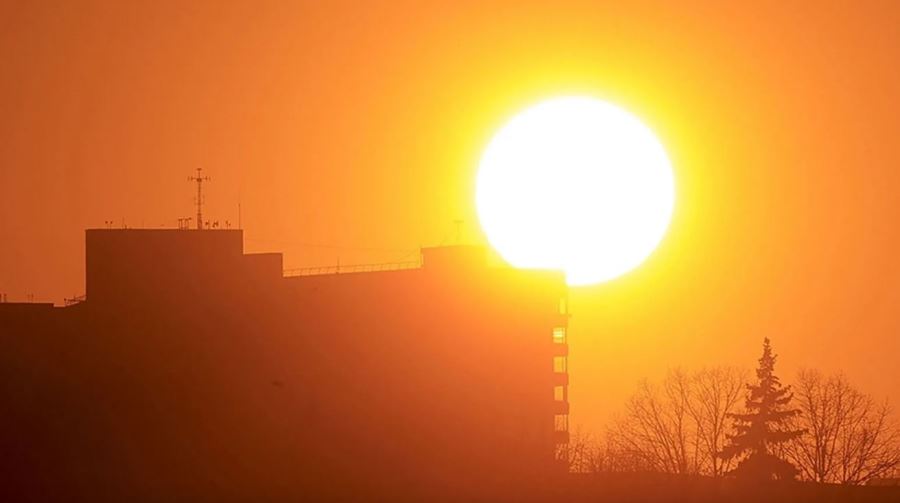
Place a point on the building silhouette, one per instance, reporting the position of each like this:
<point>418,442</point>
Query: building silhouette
<point>191,370</point>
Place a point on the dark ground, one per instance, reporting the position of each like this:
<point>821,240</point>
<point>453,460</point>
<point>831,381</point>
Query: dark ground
<point>664,489</point>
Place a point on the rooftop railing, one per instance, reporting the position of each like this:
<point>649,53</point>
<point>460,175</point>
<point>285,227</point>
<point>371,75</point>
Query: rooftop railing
<point>352,268</point>
<point>75,300</point>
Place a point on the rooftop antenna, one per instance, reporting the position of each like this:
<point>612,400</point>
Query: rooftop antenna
<point>199,179</point>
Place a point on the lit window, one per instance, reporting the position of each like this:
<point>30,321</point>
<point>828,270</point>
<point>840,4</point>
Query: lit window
<point>560,422</point>
<point>559,393</point>
<point>559,364</point>
<point>559,335</point>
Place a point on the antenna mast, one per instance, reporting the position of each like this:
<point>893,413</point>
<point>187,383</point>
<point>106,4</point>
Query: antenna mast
<point>199,179</point>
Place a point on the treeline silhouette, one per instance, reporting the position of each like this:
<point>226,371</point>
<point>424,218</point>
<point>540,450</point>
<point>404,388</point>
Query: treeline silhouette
<point>717,422</point>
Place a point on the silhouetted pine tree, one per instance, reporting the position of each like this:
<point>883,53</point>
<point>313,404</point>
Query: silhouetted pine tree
<point>760,430</point>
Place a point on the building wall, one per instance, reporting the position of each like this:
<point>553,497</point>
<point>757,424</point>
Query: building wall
<point>228,381</point>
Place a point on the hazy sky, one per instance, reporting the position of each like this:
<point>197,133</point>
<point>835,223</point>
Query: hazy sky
<point>353,132</point>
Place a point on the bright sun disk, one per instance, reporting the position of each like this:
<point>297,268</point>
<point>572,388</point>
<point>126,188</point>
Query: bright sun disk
<point>575,184</point>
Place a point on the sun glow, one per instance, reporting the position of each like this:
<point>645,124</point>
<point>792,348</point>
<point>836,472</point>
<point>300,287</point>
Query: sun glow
<point>575,184</point>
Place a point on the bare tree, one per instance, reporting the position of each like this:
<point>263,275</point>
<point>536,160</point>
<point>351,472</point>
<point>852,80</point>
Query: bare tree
<point>593,454</point>
<point>681,425</point>
<point>850,438</point>
<point>585,453</point>
<point>717,393</point>
<point>653,429</point>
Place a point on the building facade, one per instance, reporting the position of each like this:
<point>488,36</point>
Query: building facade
<point>191,370</point>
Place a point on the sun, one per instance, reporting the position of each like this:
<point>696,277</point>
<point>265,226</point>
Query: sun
<point>576,184</point>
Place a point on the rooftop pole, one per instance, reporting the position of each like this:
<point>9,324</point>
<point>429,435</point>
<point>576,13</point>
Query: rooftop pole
<point>199,179</point>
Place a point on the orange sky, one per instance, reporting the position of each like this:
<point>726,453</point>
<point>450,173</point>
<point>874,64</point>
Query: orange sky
<point>360,128</point>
